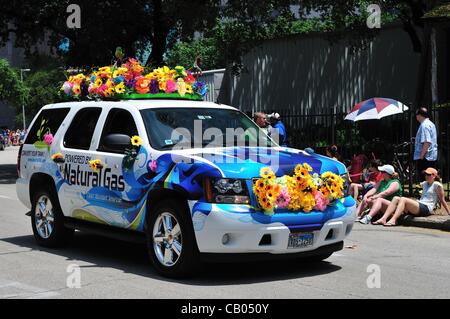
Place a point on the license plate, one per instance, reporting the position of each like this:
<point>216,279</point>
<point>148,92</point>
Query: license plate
<point>300,240</point>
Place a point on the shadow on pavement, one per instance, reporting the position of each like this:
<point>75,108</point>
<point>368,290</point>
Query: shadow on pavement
<point>8,174</point>
<point>132,258</point>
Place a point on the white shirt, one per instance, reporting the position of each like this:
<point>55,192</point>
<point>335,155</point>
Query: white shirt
<point>430,195</point>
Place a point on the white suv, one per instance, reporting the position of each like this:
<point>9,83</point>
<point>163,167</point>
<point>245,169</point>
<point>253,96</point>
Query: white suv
<point>117,168</point>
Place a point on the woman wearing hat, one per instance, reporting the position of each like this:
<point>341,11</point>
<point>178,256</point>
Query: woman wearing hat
<point>433,192</point>
<point>380,196</point>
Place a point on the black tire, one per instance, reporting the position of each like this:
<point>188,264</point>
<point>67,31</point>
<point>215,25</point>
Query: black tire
<point>188,261</point>
<point>59,235</point>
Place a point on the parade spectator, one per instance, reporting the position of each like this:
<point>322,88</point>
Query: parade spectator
<point>332,151</point>
<point>23,133</point>
<point>426,148</point>
<point>375,176</point>
<point>356,168</point>
<point>278,130</point>
<point>5,136</point>
<point>379,197</point>
<point>260,119</point>
<point>432,194</point>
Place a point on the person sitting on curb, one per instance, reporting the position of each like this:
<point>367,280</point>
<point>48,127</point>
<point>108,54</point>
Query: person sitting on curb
<point>433,192</point>
<point>379,197</point>
<point>374,177</point>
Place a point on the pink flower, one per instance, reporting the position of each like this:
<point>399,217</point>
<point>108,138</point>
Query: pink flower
<point>321,201</point>
<point>171,86</point>
<point>283,198</point>
<point>48,139</point>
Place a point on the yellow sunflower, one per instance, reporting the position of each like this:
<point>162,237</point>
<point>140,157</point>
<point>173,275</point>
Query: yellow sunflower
<point>98,82</point>
<point>260,185</point>
<point>95,164</point>
<point>266,172</point>
<point>76,89</point>
<point>136,141</point>
<point>57,156</point>
<point>120,88</point>
<point>109,92</point>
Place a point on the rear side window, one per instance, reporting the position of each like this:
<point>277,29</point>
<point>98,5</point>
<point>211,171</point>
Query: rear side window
<point>48,121</point>
<point>119,121</point>
<point>79,135</point>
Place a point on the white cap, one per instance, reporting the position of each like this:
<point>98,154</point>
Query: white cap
<point>387,169</point>
<point>275,116</point>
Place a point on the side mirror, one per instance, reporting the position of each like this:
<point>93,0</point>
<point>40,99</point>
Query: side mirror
<point>115,143</point>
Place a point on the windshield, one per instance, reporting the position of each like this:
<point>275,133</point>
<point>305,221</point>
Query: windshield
<point>185,128</point>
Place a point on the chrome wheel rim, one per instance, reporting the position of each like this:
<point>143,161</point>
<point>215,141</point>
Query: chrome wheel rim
<point>167,239</point>
<point>44,217</point>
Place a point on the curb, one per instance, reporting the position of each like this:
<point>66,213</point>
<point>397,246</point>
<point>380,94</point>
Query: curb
<point>434,222</point>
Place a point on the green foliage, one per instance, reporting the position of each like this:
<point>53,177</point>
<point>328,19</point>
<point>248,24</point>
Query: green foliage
<point>44,89</point>
<point>12,89</point>
<point>105,25</point>
<point>185,53</point>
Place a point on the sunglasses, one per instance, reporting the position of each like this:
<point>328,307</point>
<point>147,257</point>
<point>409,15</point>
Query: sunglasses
<point>426,174</point>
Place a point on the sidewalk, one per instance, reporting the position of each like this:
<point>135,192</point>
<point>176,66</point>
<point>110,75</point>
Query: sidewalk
<point>439,220</point>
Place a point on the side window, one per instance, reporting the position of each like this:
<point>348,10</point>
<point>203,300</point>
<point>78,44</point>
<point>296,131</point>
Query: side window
<point>79,135</point>
<point>48,121</point>
<point>119,121</point>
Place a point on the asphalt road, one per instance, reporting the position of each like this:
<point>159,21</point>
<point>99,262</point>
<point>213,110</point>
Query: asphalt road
<point>411,263</point>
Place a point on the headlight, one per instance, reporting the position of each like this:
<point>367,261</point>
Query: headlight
<point>226,191</point>
<point>223,186</point>
<point>346,178</point>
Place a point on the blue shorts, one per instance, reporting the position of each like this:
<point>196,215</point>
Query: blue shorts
<point>424,211</point>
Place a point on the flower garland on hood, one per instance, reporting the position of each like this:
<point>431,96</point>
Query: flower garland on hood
<point>130,79</point>
<point>302,191</point>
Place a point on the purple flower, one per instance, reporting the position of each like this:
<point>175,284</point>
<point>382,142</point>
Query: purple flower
<point>154,87</point>
<point>130,83</point>
<point>67,87</point>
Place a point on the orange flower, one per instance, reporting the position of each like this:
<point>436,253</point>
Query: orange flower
<point>277,189</point>
<point>142,85</point>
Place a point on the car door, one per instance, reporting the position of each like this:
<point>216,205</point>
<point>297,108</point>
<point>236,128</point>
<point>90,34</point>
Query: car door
<point>121,199</point>
<point>77,176</point>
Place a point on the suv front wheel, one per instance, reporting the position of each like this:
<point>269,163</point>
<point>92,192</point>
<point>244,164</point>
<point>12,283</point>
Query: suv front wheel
<point>171,240</point>
<point>47,221</point>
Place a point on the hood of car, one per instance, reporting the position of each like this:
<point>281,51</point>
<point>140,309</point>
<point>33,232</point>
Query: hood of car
<point>246,162</point>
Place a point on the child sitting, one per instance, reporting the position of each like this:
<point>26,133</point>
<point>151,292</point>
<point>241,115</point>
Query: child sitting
<point>375,176</point>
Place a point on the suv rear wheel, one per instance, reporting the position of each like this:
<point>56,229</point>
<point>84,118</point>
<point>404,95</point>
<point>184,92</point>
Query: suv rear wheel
<point>47,221</point>
<point>171,240</point>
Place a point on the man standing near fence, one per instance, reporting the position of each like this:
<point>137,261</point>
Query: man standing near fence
<point>426,148</point>
<point>260,119</point>
<point>278,131</point>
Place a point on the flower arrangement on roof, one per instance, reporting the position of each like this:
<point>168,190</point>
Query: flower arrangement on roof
<point>129,80</point>
<point>301,191</point>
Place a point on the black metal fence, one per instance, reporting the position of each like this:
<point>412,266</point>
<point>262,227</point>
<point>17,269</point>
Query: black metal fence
<point>377,137</point>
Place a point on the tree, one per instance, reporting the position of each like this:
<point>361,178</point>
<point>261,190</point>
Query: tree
<point>12,89</point>
<point>185,53</point>
<point>105,25</point>
<point>44,88</point>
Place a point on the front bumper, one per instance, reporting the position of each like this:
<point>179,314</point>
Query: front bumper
<point>247,234</point>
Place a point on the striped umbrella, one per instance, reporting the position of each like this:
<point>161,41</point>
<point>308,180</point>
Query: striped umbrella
<point>375,109</point>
